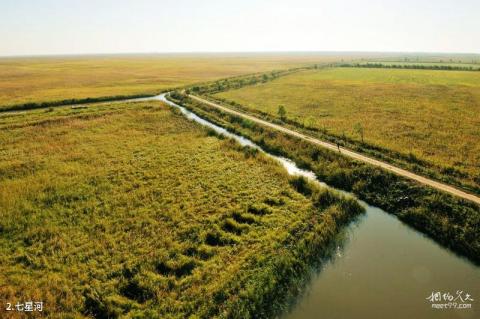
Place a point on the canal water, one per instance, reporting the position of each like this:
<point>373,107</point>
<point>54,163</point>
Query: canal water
<point>381,269</point>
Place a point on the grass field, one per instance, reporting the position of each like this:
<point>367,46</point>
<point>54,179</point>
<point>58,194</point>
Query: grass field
<point>428,115</point>
<point>131,210</point>
<point>35,80</point>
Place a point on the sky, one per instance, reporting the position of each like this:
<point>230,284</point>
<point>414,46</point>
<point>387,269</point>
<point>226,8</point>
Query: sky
<point>33,27</point>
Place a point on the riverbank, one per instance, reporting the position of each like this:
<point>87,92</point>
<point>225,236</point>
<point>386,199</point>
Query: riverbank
<point>381,264</point>
<point>450,221</point>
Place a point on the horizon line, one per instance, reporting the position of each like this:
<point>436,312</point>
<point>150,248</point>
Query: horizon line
<point>46,55</point>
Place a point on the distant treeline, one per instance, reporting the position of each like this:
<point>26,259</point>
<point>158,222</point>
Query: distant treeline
<point>409,66</point>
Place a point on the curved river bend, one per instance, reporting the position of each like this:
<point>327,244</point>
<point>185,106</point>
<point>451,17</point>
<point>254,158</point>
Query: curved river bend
<point>382,268</point>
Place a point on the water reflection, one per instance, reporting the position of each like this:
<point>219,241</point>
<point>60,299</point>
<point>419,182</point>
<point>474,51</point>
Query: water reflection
<point>385,269</point>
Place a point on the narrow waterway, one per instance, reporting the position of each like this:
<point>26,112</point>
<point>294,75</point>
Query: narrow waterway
<point>381,269</point>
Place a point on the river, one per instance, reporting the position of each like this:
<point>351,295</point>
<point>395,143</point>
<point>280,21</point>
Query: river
<point>381,268</point>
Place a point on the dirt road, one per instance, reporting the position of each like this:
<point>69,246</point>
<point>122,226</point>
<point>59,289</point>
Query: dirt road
<point>349,153</point>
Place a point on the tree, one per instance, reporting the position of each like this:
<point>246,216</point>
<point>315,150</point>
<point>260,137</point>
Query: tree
<point>282,112</point>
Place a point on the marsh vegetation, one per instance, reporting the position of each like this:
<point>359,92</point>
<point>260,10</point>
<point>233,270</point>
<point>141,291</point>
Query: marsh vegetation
<point>452,222</point>
<point>27,82</point>
<point>424,120</point>
<point>131,210</point>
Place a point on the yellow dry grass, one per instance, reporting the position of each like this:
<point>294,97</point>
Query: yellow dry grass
<point>433,115</point>
<point>25,80</point>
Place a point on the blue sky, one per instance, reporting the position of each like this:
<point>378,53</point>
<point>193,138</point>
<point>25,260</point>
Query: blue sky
<point>30,27</point>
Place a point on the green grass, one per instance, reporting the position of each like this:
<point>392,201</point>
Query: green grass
<point>452,222</point>
<point>428,116</point>
<point>51,79</point>
<point>131,210</point>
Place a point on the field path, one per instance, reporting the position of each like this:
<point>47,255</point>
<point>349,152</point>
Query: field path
<point>347,152</point>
